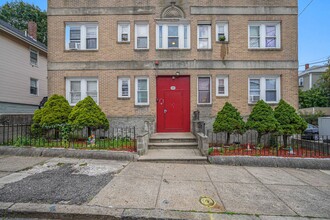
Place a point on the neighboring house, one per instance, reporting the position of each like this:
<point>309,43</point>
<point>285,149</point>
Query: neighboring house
<point>23,69</point>
<point>310,76</point>
<point>158,61</point>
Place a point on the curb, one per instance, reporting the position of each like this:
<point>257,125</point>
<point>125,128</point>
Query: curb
<point>70,153</point>
<point>55,211</point>
<point>303,163</point>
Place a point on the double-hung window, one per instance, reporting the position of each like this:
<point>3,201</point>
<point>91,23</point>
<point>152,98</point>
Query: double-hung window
<point>124,87</point>
<point>172,36</point>
<point>142,36</point>
<point>91,37</point>
<point>264,35</point>
<point>204,36</point>
<point>123,32</point>
<point>222,86</point>
<point>222,31</point>
<point>33,57</point>
<point>265,88</point>
<point>33,86</point>
<point>204,90</point>
<point>77,89</point>
<point>81,36</point>
<point>142,91</point>
<point>254,85</point>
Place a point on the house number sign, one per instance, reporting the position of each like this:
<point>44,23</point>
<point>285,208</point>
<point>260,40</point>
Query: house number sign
<point>173,88</point>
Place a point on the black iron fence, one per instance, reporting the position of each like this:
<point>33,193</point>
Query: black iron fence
<point>111,139</point>
<point>299,145</point>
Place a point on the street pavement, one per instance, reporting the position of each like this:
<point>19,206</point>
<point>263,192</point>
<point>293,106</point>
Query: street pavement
<point>162,190</point>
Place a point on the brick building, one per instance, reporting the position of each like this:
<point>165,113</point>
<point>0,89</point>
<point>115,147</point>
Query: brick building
<point>155,62</point>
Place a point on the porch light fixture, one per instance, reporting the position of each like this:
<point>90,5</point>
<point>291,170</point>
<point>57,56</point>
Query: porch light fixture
<point>177,73</point>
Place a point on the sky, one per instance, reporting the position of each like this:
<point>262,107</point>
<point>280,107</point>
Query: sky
<point>314,29</point>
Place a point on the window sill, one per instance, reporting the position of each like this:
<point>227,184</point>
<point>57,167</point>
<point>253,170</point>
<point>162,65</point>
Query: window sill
<point>174,49</point>
<point>34,65</point>
<point>222,42</point>
<point>123,98</point>
<point>269,103</point>
<point>141,50</point>
<point>79,51</point>
<point>265,49</point>
<point>141,106</point>
<point>123,42</point>
<point>204,105</point>
<point>209,49</point>
<point>222,96</point>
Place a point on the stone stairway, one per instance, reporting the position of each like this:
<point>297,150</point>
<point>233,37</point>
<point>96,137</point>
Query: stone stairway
<point>173,147</point>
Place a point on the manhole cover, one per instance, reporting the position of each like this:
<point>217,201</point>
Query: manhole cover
<point>207,201</point>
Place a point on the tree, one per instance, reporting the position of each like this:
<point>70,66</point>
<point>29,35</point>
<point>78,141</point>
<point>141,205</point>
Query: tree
<point>324,84</point>
<point>315,97</point>
<point>319,95</point>
<point>262,119</point>
<point>54,114</point>
<point>312,118</point>
<point>229,120</point>
<point>19,13</point>
<point>88,114</point>
<point>289,121</point>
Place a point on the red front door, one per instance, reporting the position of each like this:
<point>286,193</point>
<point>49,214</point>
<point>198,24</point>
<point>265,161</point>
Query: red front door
<point>173,104</point>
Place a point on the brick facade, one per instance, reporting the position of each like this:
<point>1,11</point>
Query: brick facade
<point>130,62</point>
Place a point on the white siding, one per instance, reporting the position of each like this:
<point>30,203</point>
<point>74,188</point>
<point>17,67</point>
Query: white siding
<point>16,71</point>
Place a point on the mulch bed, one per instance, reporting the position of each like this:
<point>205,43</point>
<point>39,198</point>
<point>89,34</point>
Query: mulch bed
<point>243,150</point>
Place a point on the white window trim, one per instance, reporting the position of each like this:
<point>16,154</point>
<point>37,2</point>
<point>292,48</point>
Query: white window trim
<point>119,29</point>
<point>165,36</point>
<point>198,103</point>
<point>136,91</point>
<point>83,34</point>
<point>37,52</point>
<point>262,26</point>
<point>209,37</point>
<point>83,88</point>
<point>225,24</point>
<point>120,81</point>
<point>138,24</point>
<point>37,87</point>
<point>225,84</point>
<point>263,88</point>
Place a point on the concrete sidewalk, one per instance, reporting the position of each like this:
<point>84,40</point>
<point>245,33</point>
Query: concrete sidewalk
<point>236,190</point>
<point>107,190</point>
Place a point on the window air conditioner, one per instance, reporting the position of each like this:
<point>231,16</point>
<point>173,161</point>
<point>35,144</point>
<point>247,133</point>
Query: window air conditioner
<point>254,98</point>
<point>74,46</point>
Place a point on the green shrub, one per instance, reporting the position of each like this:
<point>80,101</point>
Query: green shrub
<point>54,114</point>
<point>88,114</point>
<point>262,119</point>
<point>289,121</point>
<point>36,127</point>
<point>229,120</point>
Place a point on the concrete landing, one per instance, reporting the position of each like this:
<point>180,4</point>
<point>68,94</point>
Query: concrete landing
<point>174,155</point>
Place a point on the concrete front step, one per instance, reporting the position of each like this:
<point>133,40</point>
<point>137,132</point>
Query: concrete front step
<point>172,138</point>
<point>173,155</point>
<point>184,145</point>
